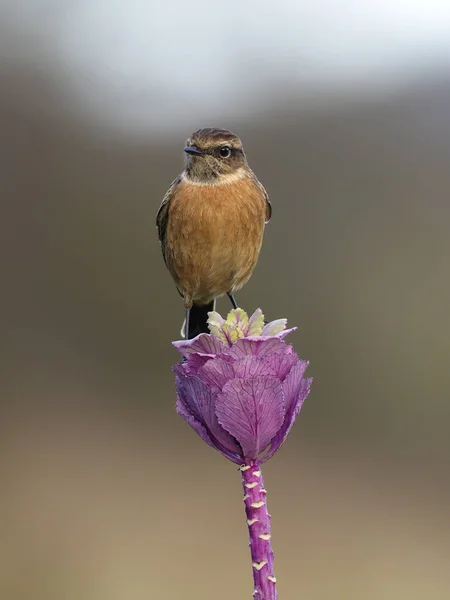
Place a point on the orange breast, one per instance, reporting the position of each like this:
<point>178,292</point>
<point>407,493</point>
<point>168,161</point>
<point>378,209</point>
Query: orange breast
<point>213,237</point>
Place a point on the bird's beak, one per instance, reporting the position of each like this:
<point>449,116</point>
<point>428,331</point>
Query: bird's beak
<point>193,150</point>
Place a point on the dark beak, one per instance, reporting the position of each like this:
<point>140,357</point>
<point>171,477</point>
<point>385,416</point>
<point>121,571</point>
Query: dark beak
<point>193,150</point>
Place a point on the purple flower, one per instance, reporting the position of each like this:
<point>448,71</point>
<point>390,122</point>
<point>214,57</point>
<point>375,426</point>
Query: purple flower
<point>242,386</point>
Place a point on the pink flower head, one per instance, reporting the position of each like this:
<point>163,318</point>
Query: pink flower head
<point>241,387</point>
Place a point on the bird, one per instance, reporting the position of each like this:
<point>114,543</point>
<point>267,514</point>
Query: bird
<point>211,223</point>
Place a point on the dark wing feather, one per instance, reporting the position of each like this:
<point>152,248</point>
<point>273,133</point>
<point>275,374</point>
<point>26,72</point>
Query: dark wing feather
<point>162,216</point>
<point>266,196</point>
<point>268,207</point>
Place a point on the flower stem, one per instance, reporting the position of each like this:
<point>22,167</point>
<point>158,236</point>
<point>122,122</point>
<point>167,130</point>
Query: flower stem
<point>258,521</point>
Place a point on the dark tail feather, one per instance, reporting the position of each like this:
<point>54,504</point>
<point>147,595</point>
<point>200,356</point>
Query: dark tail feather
<point>198,317</point>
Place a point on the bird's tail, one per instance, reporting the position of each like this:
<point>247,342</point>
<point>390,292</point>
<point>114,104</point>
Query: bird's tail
<point>198,317</point>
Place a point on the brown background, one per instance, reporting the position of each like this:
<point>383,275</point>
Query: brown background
<point>105,493</point>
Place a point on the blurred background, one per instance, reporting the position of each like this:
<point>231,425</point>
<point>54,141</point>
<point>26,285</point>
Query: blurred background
<point>344,111</point>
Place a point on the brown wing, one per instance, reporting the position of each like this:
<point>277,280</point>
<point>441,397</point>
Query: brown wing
<point>162,216</point>
<point>268,206</point>
<point>266,196</point>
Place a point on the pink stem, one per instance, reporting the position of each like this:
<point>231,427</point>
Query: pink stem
<point>258,521</point>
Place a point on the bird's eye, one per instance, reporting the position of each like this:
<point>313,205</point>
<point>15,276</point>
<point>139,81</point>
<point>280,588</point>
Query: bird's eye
<point>225,151</point>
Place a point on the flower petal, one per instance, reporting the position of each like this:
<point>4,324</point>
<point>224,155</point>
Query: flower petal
<point>252,411</point>
<point>236,325</point>
<point>199,401</point>
<point>238,318</point>
<point>202,344</point>
<point>274,327</point>
<point>296,390</point>
<point>282,363</point>
<point>196,425</point>
<point>292,384</point>
<point>215,323</point>
<point>256,323</point>
<point>258,346</point>
<point>195,361</point>
<point>252,366</point>
<point>282,334</point>
<point>191,364</point>
<point>216,372</point>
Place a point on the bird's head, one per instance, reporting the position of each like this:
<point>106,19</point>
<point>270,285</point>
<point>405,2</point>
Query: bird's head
<point>214,155</point>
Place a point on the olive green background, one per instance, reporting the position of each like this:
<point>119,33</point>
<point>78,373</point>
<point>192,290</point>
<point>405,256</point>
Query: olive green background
<point>106,494</point>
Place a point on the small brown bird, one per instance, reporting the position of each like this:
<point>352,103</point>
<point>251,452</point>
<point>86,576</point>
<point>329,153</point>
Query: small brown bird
<point>211,224</point>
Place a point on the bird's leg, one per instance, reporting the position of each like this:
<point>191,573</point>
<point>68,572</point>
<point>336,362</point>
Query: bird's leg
<point>186,324</point>
<point>233,301</point>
